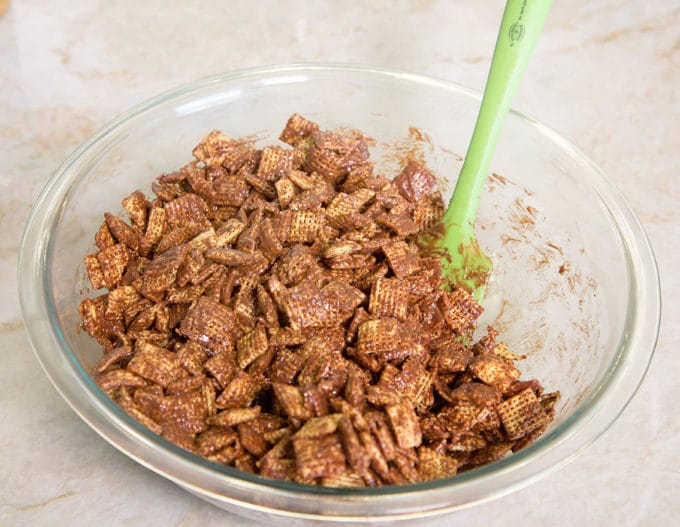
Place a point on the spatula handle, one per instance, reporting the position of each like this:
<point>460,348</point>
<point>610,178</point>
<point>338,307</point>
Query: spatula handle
<point>521,26</point>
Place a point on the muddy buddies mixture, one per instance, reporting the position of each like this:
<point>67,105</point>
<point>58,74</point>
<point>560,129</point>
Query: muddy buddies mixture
<point>270,309</point>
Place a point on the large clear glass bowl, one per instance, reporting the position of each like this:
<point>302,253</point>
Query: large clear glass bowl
<point>575,284</point>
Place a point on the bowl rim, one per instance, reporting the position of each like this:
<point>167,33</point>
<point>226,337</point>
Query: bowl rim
<point>617,387</point>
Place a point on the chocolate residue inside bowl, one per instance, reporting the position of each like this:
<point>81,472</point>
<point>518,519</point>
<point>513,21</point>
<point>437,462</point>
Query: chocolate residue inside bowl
<point>525,239</point>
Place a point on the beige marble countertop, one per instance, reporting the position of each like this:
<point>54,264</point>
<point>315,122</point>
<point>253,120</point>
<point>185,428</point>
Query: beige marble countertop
<point>605,74</point>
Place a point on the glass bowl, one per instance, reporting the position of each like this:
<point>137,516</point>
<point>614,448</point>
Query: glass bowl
<point>575,285</point>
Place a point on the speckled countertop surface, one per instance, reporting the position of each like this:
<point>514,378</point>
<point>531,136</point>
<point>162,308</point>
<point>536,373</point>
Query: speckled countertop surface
<point>606,75</point>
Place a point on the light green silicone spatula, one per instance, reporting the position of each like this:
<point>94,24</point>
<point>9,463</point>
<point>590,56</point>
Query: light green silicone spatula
<point>463,262</point>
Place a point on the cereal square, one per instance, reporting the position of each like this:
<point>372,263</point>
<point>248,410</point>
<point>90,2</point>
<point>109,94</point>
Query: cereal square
<point>389,298</point>
<point>211,324</point>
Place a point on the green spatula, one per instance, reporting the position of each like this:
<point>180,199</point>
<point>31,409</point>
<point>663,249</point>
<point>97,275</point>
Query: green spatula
<point>463,261</point>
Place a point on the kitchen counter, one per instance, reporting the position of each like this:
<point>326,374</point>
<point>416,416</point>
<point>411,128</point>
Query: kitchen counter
<point>605,74</point>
